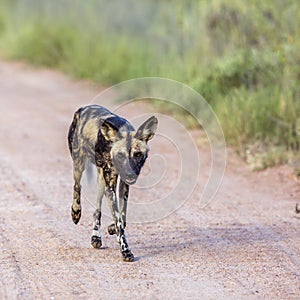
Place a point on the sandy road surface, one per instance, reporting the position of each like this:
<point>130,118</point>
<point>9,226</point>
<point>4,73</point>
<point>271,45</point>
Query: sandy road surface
<point>244,245</point>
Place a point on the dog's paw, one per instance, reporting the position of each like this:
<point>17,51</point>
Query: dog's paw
<point>76,214</point>
<point>127,255</point>
<point>96,241</point>
<point>112,229</point>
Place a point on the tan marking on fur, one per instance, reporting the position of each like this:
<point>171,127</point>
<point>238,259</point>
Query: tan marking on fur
<point>138,145</point>
<point>90,130</point>
<point>119,146</point>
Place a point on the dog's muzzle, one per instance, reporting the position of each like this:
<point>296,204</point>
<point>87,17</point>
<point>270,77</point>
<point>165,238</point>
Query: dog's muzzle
<point>130,179</point>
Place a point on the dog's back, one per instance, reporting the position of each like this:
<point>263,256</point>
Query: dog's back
<point>83,132</point>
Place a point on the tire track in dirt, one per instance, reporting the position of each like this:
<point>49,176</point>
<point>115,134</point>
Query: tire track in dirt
<point>13,275</point>
<point>11,284</point>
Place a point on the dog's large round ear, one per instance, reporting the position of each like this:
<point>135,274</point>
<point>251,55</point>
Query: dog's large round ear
<point>147,130</point>
<point>108,131</point>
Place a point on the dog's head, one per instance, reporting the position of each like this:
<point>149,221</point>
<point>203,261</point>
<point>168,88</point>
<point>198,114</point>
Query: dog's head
<point>129,149</point>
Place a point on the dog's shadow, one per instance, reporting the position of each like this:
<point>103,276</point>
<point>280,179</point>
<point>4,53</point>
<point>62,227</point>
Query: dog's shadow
<point>205,240</point>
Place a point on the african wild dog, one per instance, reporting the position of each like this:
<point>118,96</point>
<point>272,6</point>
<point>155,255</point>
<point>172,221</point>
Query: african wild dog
<point>118,151</point>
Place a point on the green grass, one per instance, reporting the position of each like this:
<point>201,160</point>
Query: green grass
<point>242,56</point>
<point>78,53</point>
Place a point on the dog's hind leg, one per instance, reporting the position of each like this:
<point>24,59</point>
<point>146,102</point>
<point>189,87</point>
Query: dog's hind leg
<point>78,168</point>
<point>96,236</point>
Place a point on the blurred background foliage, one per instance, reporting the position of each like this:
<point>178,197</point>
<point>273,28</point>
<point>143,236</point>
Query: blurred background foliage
<point>243,57</point>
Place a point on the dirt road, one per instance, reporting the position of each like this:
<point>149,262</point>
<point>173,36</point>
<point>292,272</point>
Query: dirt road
<point>244,245</point>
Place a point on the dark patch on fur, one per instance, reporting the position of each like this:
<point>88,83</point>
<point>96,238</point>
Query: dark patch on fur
<point>137,162</point>
<point>128,143</point>
<point>117,122</point>
<point>72,129</point>
<point>102,151</point>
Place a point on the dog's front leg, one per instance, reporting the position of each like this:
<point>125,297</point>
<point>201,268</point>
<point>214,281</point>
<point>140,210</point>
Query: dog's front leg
<point>119,216</point>
<point>123,199</point>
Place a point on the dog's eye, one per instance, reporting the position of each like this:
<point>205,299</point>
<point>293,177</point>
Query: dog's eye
<point>121,155</point>
<point>138,154</point>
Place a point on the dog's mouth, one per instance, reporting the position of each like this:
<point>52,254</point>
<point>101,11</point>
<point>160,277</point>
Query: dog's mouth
<point>130,180</point>
<point>129,177</point>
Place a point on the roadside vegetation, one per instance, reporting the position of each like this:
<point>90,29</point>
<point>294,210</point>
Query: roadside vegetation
<point>243,57</point>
